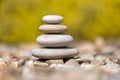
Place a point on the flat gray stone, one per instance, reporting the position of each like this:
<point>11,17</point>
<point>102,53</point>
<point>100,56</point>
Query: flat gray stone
<point>54,53</point>
<point>54,40</point>
<point>52,28</point>
<point>54,19</point>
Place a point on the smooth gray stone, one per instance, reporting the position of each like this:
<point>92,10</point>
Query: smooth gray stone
<point>53,19</point>
<point>52,28</point>
<point>54,40</point>
<point>72,63</point>
<point>54,53</point>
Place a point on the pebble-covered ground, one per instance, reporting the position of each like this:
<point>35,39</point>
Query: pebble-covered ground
<point>98,60</point>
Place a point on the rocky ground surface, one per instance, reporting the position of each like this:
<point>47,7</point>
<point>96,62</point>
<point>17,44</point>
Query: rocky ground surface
<point>98,60</point>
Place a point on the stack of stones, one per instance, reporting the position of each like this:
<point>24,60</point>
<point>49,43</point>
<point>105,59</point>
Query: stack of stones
<point>54,42</point>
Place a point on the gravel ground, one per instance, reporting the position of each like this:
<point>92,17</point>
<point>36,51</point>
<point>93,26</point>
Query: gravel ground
<point>98,60</point>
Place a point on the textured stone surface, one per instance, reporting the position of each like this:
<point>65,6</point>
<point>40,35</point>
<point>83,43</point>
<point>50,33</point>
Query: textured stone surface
<point>52,19</point>
<point>55,40</point>
<point>53,28</point>
<point>56,53</point>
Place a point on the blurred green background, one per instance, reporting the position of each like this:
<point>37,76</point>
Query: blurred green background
<point>86,19</point>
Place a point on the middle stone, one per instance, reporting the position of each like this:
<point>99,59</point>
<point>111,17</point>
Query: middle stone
<point>50,28</point>
<point>54,40</point>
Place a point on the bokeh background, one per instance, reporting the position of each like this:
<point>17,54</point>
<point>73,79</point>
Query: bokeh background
<point>86,19</point>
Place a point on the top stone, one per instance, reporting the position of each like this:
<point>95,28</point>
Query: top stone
<point>52,19</point>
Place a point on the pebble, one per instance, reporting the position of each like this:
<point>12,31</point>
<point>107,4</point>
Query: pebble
<point>40,64</point>
<point>99,60</point>
<point>57,66</point>
<point>29,64</point>
<point>113,58</point>
<point>87,66</point>
<point>50,28</point>
<point>14,64</point>
<point>72,63</point>
<point>53,19</point>
<point>21,63</point>
<point>17,63</point>
<point>55,40</point>
<point>84,58</point>
<point>116,60</point>
<point>109,70</point>
<point>97,63</point>
<point>54,53</point>
<point>112,64</point>
<point>55,61</point>
<point>3,64</point>
<point>111,67</point>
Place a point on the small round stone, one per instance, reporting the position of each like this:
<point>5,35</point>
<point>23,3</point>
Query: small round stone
<point>50,28</point>
<point>53,19</point>
<point>55,40</point>
<point>54,53</point>
<point>72,63</point>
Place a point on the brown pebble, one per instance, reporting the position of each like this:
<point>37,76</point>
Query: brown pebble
<point>55,61</point>
<point>40,64</point>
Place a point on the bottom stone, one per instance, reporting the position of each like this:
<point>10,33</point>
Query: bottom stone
<point>54,53</point>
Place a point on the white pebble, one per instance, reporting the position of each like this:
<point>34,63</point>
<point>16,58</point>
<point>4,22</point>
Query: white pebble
<point>52,19</point>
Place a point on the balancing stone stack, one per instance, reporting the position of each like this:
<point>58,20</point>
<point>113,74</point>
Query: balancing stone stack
<point>54,42</point>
